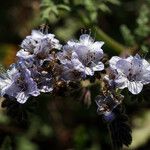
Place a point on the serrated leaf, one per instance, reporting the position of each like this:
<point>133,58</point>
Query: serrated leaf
<point>64,7</point>
<point>142,29</point>
<point>45,13</point>
<point>93,15</point>
<point>127,35</point>
<point>46,4</point>
<point>103,7</point>
<point>120,130</point>
<point>55,11</point>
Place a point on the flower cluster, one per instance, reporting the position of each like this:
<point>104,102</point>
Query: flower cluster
<point>83,57</point>
<point>43,62</point>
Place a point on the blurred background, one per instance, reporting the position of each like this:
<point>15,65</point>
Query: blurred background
<point>71,122</point>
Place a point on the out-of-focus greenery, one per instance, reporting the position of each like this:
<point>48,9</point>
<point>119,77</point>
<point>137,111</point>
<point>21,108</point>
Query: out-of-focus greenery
<point>66,122</point>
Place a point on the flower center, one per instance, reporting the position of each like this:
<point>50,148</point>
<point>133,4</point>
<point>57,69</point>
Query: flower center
<point>133,76</point>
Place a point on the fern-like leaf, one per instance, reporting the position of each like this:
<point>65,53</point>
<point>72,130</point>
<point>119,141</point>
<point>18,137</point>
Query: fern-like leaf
<point>120,130</point>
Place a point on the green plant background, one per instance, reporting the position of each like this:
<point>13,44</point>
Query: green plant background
<point>67,122</point>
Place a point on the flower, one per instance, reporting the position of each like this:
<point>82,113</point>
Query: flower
<point>6,79</point>
<point>106,103</point>
<point>45,85</point>
<point>85,52</point>
<point>70,72</point>
<point>43,79</point>
<point>19,84</point>
<point>131,72</point>
<point>38,45</point>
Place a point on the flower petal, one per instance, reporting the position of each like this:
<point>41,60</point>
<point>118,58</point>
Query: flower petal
<point>123,66</point>
<point>97,46</point>
<point>24,54</point>
<point>86,39</point>
<point>89,71</point>
<point>146,64</point>
<point>121,82</point>
<point>135,87</point>
<point>46,89</point>
<point>98,67</point>
<point>146,77</point>
<point>36,34</point>
<point>77,65</point>
<point>22,97</point>
<point>136,64</point>
<point>113,61</point>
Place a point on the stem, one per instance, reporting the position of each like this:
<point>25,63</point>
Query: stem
<point>117,47</point>
<point>110,136</point>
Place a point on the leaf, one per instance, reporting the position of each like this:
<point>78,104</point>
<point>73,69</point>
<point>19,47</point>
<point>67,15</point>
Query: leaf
<point>120,130</point>
<point>115,2</point>
<point>143,22</point>
<point>127,35</point>
<point>103,7</point>
<point>55,10</point>
<point>25,144</point>
<point>63,7</point>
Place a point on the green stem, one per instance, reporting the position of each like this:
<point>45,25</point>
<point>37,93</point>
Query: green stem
<point>117,47</point>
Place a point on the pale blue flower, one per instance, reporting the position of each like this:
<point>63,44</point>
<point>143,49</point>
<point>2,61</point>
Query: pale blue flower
<point>43,79</point>
<point>71,72</point>
<point>130,72</point>
<point>6,79</point>
<point>21,85</point>
<point>107,103</point>
<point>85,52</point>
<point>38,45</point>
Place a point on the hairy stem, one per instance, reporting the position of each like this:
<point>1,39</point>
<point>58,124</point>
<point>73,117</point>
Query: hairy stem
<point>116,46</point>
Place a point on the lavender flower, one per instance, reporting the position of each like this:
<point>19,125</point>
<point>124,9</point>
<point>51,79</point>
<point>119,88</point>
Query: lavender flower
<point>43,79</point>
<point>20,84</point>
<point>38,45</point>
<point>85,53</point>
<point>70,72</point>
<point>6,79</point>
<point>106,103</point>
<point>131,72</point>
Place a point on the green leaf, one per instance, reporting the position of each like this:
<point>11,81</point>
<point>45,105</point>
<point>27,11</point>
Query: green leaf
<point>120,130</point>
<point>46,12</point>
<point>143,29</point>
<point>93,16</point>
<point>25,144</point>
<point>103,7</point>
<point>55,10</point>
<point>127,35</point>
<point>115,2</point>
<point>64,7</point>
<point>144,49</point>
